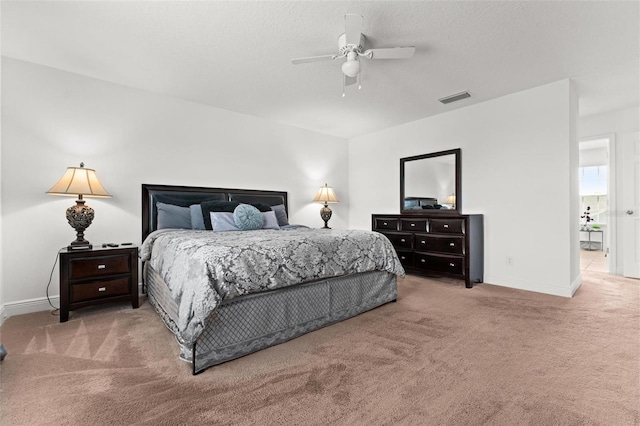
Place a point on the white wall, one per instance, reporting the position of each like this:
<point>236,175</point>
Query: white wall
<point>623,125</point>
<point>2,314</point>
<point>620,122</point>
<point>53,119</point>
<point>515,149</point>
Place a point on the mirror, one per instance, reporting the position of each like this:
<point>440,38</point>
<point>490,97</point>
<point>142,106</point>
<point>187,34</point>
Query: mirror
<point>430,183</point>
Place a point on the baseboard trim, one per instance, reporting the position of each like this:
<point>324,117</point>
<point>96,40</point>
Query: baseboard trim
<point>2,314</point>
<point>575,285</point>
<point>535,287</point>
<point>29,306</point>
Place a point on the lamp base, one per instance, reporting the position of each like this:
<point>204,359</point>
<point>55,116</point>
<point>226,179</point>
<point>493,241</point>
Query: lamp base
<point>80,217</point>
<point>325,214</point>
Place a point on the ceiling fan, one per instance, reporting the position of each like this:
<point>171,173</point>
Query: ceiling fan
<point>351,46</point>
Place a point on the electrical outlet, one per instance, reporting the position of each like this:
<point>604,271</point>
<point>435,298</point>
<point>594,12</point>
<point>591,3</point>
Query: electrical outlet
<point>509,261</point>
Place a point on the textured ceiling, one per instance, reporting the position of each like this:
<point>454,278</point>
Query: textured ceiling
<point>236,55</point>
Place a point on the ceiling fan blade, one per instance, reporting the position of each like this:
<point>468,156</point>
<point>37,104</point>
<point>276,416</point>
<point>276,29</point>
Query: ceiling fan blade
<point>353,28</point>
<point>348,81</point>
<point>390,53</point>
<point>313,59</point>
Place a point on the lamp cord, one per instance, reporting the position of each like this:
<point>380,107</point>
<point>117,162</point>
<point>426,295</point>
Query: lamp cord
<point>55,310</point>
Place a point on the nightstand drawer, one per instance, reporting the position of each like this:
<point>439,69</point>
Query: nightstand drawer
<point>99,266</point>
<point>99,289</point>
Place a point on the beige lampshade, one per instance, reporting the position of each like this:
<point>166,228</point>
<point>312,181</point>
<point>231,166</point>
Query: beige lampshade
<point>451,199</point>
<point>326,195</point>
<point>79,181</point>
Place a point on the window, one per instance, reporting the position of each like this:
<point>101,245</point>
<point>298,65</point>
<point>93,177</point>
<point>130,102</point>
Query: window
<point>593,193</point>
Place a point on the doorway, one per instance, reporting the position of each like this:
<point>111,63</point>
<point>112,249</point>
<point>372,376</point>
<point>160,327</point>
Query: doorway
<point>597,180</point>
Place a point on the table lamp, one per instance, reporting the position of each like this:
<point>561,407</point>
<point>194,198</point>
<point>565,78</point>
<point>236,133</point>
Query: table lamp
<point>81,182</point>
<point>325,195</point>
<point>451,199</point>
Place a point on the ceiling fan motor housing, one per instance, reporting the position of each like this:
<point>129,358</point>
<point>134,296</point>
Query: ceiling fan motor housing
<point>345,48</point>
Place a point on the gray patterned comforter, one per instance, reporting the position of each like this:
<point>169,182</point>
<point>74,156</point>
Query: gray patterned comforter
<point>203,268</point>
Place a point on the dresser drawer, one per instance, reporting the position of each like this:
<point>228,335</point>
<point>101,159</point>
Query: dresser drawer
<point>433,262</point>
<point>400,240</point>
<point>99,266</point>
<point>453,244</point>
<point>99,289</point>
<point>406,257</point>
<point>385,223</point>
<point>446,226</point>
<point>413,224</point>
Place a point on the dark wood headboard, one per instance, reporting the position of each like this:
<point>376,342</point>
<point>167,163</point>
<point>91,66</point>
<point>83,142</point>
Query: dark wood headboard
<point>186,195</point>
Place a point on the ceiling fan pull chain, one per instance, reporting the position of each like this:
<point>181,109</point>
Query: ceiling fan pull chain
<point>344,77</point>
<point>359,76</point>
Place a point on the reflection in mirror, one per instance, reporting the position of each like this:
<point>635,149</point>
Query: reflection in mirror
<point>430,183</point>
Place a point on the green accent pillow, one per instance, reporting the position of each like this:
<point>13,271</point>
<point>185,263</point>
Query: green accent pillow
<point>247,217</point>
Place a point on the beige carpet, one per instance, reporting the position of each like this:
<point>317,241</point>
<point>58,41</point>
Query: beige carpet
<point>441,355</point>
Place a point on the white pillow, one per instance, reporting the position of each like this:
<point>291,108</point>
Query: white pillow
<point>223,221</point>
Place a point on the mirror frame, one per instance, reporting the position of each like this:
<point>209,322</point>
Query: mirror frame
<point>458,191</point>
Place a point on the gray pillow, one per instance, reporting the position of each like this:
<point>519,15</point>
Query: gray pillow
<point>175,217</point>
<point>270,221</point>
<point>281,214</point>
<point>197,221</point>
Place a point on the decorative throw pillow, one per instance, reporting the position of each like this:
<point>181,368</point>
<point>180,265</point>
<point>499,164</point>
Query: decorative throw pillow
<point>175,217</point>
<point>281,214</point>
<point>223,222</point>
<point>270,221</point>
<point>247,217</point>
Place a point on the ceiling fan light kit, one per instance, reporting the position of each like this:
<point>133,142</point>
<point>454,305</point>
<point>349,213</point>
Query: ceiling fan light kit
<point>351,68</point>
<point>351,46</point>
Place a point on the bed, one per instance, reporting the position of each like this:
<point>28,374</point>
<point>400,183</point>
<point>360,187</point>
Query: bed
<point>227,294</point>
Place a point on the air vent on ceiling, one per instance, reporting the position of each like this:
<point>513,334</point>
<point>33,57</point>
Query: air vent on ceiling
<point>456,97</point>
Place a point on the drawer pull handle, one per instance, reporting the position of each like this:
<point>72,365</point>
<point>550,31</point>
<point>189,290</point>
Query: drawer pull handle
<point>452,264</point>
<point>102,266</point>
<point>402,257</point>
<point>446,226</point>
<point>422,260</point>
<point>413,224</point>
<point>402,240</point>
<point>452,244</point>
<point>423,242</point>
<point>384,223</point>
<point>102,289</point>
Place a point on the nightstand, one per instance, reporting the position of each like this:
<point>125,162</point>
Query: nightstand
<point>97,276</point>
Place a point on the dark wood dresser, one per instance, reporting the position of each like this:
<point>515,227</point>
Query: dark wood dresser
<point>100,275</point>
<point>442,245</point>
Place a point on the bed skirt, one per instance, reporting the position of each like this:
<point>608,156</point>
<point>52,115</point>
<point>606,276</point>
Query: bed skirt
<point>253,322</point>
